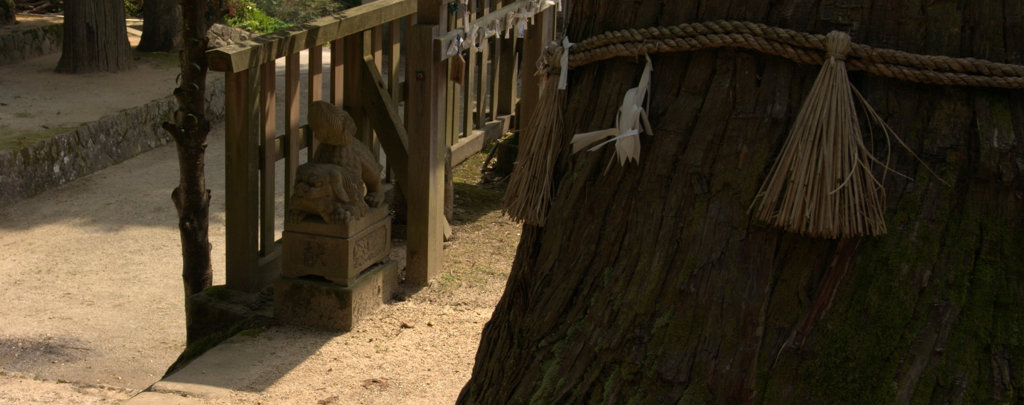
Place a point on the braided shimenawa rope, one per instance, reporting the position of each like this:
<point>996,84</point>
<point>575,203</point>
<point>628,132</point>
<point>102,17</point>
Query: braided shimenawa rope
<point>796,46</point>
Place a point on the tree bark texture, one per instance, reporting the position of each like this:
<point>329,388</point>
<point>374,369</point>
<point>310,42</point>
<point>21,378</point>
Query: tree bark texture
<point>95,37</point>
<point>7,11</point>
<point>652,283</point>
<point>190,129</point>
<point>161,28</point>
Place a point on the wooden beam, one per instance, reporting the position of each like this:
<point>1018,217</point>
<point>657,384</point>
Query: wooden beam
<point>251,53</point>
<point>425,194</point>
<point>241,188</point>
<point>384,118</point>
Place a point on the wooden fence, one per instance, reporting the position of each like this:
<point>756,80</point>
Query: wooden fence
<point>438,113</point>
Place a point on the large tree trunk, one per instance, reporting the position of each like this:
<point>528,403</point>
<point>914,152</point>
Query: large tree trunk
<point>652,283</point>
<point>95,37</point>
<point>161,28</point>
<point>7,11</point>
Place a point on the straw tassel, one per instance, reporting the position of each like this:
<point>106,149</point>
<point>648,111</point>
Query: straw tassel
<point>529,188</point>
<point>821,184</point>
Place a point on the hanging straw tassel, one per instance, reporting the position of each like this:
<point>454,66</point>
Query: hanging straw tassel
<point>821,184</point>
<point>529,188</point>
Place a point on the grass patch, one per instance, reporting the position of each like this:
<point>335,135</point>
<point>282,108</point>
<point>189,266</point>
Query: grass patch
<point>24,139</point>
<point>159,60</point>
<point>473,197</point>
<point>220,292</point>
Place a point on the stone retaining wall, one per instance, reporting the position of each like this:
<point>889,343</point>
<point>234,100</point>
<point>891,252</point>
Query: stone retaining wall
<point>86,149</point>
<point>18,45</point>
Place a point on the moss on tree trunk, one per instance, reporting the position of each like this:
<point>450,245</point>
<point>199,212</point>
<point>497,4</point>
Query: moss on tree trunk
<point>652,283</point>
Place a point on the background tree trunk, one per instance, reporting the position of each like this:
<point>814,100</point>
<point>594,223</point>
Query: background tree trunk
<point>161,27</point>
<point>95,37</point>
<point>7,11</point>
<point>652,284</point>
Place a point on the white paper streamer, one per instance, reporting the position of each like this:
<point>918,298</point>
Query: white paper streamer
<point>563,74</point>
<point>631,119</point>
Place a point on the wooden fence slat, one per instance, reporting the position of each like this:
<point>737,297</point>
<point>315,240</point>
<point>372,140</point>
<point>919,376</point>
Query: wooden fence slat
<point>337,71</point>
<point>377,50</point>
<point>394,57</point>
<point>495,72</point>
<point>268,100</point>
<point>293,139</point>
<point>481,95</point>
<point>507,76</point>
<point>316,88</point>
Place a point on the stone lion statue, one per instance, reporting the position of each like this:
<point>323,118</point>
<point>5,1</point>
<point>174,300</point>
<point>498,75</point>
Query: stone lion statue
<point>343,179</point>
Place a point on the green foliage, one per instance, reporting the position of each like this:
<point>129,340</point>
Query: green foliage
<point>300,11</point>
<point>246,15</point>
<point>133,8</point>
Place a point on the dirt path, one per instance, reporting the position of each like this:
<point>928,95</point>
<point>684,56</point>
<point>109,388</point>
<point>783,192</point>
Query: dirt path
<point>92,305</point>
<point>92,296</point>
<point>91,274</point>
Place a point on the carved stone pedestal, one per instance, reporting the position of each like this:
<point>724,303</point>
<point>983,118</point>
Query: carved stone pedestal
<point>333,274</point>
<point>336,252</point>
<point>332,306</point>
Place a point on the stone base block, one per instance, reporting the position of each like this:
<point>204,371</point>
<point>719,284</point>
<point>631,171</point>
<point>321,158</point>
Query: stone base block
<point>331,306</point>
<point>335,258</point>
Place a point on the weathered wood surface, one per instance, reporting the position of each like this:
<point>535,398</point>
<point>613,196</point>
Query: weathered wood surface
<point>652,284</point>
<point>241,195</point>
<point>426,156</point>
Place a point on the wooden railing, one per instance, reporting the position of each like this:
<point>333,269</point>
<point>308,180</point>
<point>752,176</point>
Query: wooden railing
<point>438,114</point>
<point>481,108</point>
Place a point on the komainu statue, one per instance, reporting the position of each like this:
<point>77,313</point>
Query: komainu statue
<point>343,179</point>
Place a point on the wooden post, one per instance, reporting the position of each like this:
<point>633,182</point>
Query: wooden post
<point>426,157</point>
<point>241,190</point>
<point>537,37</point>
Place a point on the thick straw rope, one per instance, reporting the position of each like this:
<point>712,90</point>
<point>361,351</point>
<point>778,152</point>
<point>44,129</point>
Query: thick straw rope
<point>821,184</point>
<point>795,46</point>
